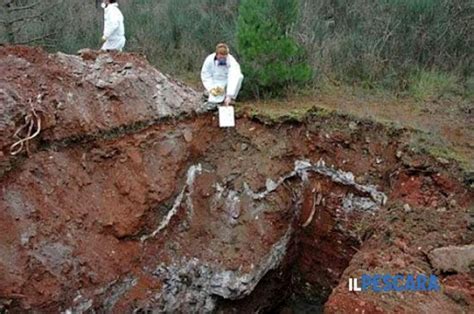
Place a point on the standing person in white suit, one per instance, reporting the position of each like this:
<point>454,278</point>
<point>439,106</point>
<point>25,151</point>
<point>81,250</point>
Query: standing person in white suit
<point>114,30</point>
<point>221,76</point>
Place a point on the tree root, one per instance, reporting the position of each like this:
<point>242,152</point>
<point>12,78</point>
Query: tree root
<point>32,121</point>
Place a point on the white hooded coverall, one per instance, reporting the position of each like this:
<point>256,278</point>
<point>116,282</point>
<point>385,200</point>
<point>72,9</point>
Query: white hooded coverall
<point>114,30</point>
<point>228,76</point>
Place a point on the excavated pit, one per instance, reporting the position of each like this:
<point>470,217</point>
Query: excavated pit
<point>134,200</point>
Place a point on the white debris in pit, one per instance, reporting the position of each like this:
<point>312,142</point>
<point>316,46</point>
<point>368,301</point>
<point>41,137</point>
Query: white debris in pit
<point>220,190</point>
<point>229,199</point>
<point>111,294</point>
<point>116,291</point>
<point>351,202</point>
<point>193,286</point>
<point>270,186</point>
<point>81,305</point>
<point>28,234</point>
<point>252,194</point>
<point>302,169</point>
<point>193,171</point>
<point>233,206</point>
<point>377,196</point>
<point>339,176</point>
<point>233,285</point>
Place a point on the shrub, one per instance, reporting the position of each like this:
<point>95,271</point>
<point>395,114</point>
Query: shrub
<point>381,42</point>
<point>176,35</point>
<point>271,59</point>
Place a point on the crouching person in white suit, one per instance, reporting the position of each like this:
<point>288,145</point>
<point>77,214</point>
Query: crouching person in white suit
<point>221,77</point>
<point>114,29</point>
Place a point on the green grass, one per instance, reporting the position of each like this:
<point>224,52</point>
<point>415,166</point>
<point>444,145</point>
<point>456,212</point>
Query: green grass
<point>469,86</point>
<point>274,112</point>
<point>425,85</point>
<point>427,143</point>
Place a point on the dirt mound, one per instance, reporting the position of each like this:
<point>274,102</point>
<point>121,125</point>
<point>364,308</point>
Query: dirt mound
<point>79,96</point>
<point>119,210</point>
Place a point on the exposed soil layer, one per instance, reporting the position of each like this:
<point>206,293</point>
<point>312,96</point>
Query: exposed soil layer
<point>130,200</point>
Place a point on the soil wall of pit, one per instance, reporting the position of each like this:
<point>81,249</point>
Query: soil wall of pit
<point>128,200</point>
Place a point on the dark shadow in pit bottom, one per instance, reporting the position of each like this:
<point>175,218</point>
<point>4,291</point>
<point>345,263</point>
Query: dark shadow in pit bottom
<point>280,291</point>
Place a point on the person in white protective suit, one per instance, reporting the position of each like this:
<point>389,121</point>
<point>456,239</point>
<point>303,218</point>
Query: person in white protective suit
<point>221,76</point>
<point>114,30</point>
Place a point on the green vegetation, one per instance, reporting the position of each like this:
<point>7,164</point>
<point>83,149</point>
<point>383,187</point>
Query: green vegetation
<point>378,44</point>
<point>271,60</point>
<point>423,142</point>
<point>424,85</point>
<point>176,35</point>
<point>421,48</point>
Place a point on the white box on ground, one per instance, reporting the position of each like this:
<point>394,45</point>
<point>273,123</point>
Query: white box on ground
<point>226,116</point>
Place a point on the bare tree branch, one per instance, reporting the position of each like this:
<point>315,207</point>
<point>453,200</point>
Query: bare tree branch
<point>19,14</point>
<point>19,28</point>
<point>26,18</point>
<point>26,7</point>
<point>29,41</point>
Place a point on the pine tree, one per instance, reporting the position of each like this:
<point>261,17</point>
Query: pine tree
<point>271,60</point>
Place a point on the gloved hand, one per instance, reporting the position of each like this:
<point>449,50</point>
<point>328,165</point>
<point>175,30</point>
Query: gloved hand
<point>227,100</point>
